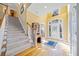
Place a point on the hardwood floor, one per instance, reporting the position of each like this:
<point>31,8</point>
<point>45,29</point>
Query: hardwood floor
<point>43,51</point>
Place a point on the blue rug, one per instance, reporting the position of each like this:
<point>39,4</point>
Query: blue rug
<point>51,43</point>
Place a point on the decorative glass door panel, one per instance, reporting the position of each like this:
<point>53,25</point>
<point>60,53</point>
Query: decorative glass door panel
<point>55,29</point>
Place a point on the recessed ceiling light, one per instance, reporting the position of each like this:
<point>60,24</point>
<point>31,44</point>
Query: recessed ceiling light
<point>19,3</point>
<point>24,5</point>
<point>45,6</point>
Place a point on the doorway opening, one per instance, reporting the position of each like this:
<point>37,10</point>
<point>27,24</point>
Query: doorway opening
<point>38,38</point>
<point>12,12</point>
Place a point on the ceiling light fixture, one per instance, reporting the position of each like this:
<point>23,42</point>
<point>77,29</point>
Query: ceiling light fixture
<point>45,6</point>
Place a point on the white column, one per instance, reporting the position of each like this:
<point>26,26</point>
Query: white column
<point>77,29</point>
<point>73,29</point>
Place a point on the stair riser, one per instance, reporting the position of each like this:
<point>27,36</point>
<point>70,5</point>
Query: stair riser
<point>20,34</point>
<point>14,37</point>
<point>14,41</point>
<point>15,32</point>
<point>14,28</point>
<point>16,45</point>
<point>18,50</point>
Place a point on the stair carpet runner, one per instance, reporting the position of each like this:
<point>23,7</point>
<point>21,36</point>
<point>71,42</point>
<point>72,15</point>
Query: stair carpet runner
<point>16,41</point>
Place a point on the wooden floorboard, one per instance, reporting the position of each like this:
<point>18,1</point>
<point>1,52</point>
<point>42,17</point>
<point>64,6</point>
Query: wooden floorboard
<point>38,51</point>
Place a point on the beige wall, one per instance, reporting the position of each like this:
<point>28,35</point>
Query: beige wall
<point>1,13</point>
<point>30,17</point>
<point>62,16</point>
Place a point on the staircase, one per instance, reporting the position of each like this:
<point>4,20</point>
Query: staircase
<point>17,41</point>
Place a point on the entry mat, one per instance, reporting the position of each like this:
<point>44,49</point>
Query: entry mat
<point>51,43</point>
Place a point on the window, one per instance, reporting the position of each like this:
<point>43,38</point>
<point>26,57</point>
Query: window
<point>56,12</point>
<point>55,29</point>
<point>22,8</point>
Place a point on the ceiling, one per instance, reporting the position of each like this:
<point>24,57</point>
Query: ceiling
<point>11,5</point>
<point>42,8</point>
<point>14,5</point>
